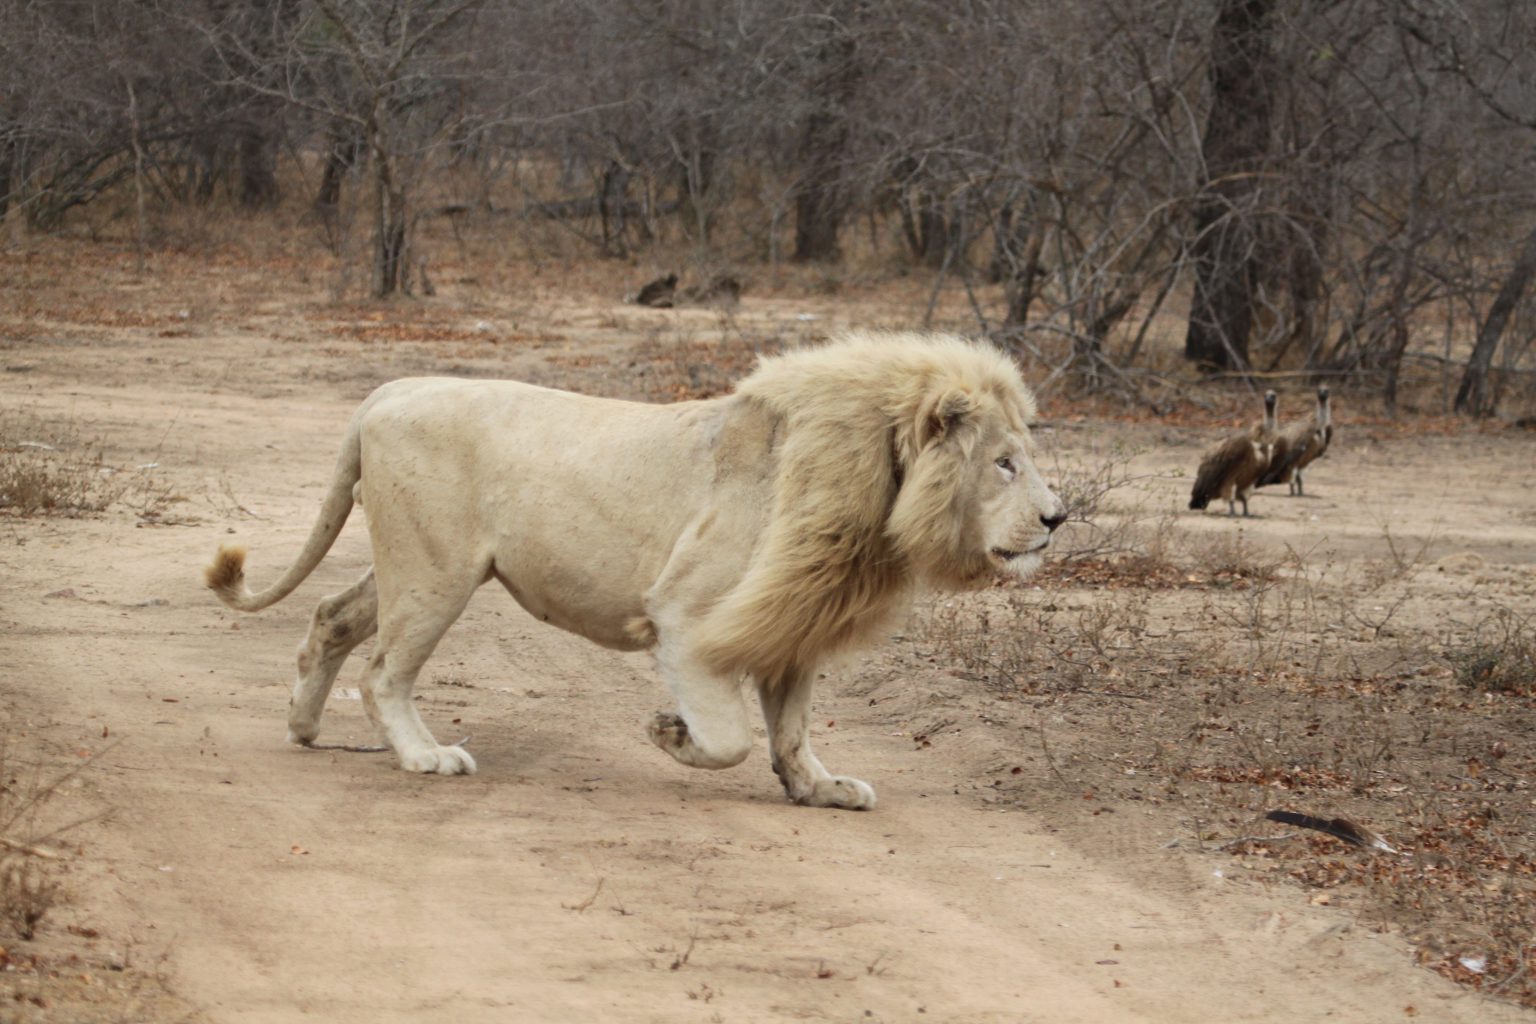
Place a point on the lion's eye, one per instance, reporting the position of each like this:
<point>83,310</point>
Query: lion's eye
<point>1005,463</point>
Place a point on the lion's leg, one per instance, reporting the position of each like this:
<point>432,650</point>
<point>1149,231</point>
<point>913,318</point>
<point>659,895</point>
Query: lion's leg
<point>711,727</point>
<point>410,625</point>
<point>341,622</point>
<point>787,710</point>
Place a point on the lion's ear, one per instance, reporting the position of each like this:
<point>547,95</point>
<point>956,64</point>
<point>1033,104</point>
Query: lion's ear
<point>945,415</point>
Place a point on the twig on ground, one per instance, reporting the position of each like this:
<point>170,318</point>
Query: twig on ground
<point>586,904</point>
<point>30,850</point>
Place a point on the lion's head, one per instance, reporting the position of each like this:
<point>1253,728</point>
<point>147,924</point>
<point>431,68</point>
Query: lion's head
<point>970,502</point>
<point>904,458</point>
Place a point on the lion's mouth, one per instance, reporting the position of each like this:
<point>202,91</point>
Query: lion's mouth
<point>1009,555</point>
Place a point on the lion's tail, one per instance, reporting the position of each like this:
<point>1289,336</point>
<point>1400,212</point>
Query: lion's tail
<point>226,575</point>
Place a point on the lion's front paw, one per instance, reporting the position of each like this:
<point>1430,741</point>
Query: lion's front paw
<point>668,731</point>
<point>302,739</point>
<point>439,760</point>
<point>840,791</point>
<point>302,731</point>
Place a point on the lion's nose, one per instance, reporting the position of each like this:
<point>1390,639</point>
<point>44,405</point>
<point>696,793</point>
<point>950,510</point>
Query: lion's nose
<point>1053,521</point>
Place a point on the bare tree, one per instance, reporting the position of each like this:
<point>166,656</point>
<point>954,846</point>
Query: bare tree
<point>1235,147</point>
<point>1473,395</point>
<point>1297,170</point>
<point>395,51</point>
<point>1488,48</point>
<point>821,193</point>
<point>247,136</point>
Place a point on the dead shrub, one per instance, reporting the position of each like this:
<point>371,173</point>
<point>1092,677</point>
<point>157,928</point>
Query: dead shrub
<point>46,469</point>
<point>1095,529</point>
<point>1026,644</point>
<point>33,485</point>
<point>1229,557</point>
<point>28,890</point>
<point>1499,656</point>
<point>1399,561</point>
<point>30,869</point>
<point>1132,552</point>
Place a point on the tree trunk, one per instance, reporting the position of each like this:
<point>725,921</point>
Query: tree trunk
<point>612,201</point>
<point>1304,284</point>
<point>931,232</point>
<point>1399,309</point>
<point>697,154</point>
<point>136,136</point>
<point>392,259</point>
<point>1473,397</point>
<point>1236,140</point>
<point>1221,316</point>
<point>390,266</point>
<point>1020,266</point>
<point>340,157</point>
<point>819,203</point>
<point>8,175</point>
<point>389,260</point>
<point>821,199</point>
<point>257,160</point>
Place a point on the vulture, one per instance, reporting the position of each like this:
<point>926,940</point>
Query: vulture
<point>1298,447</point>
<point>658,294</point>
<point>1232,469</point>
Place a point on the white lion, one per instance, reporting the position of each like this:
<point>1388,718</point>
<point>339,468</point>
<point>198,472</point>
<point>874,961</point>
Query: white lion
<point>749,536</point>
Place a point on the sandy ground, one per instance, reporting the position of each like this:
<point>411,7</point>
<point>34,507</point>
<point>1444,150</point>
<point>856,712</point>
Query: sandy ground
<point>581,875</point>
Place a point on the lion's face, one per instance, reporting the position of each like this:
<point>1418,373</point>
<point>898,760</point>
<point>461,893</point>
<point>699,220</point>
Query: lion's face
<point>1013,512</point>
<point>972,504</point>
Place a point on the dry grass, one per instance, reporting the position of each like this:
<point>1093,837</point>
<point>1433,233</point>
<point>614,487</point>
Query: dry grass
<point>1203,674</point>
<point>31,867</point>
<point>53,467</point>
<point>63,968</point>
<point>1498,654</point>
<point>28,890</point>
<point>49,469</point>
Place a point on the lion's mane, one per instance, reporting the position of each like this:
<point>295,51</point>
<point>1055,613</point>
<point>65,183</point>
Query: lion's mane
<point>869,494</point>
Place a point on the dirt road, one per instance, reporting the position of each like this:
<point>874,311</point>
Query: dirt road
<point>581,875</point>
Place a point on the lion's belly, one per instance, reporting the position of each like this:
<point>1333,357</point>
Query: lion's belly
<point>596,606</point>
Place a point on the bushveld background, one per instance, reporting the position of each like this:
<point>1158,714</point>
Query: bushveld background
<point>224,223</point>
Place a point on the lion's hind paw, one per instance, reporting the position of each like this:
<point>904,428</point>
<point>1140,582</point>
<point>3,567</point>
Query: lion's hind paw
<point>439,761</point>
<point>840,791</point>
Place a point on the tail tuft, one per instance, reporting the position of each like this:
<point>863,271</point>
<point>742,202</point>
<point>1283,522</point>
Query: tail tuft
<point>226,576</point>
